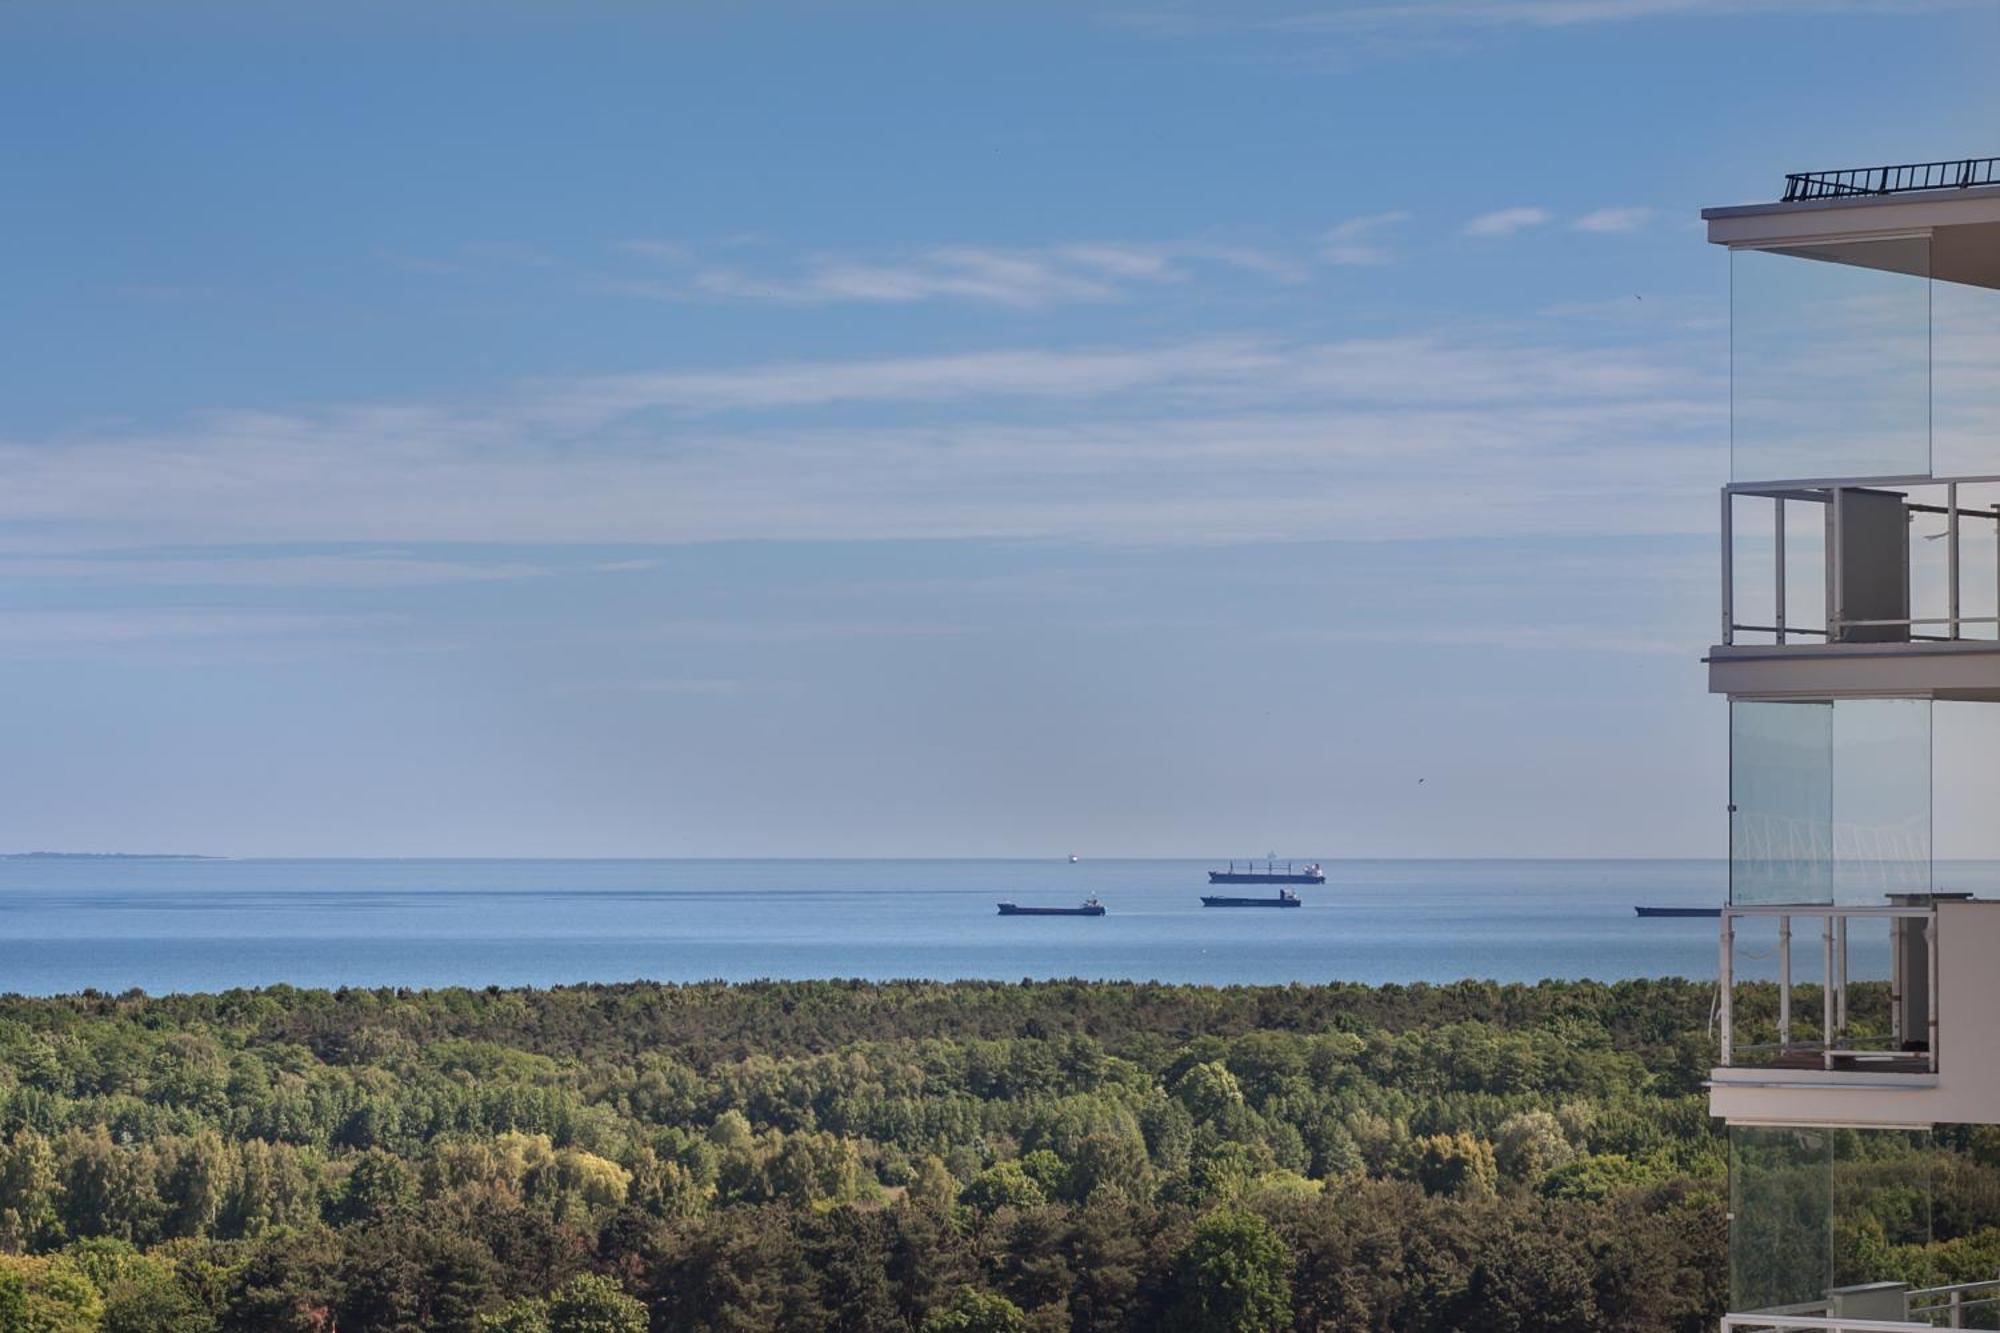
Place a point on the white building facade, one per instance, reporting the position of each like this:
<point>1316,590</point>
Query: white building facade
<point>1859,1005</point>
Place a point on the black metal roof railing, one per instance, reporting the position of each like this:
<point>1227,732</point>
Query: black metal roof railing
<point>1957,175</point>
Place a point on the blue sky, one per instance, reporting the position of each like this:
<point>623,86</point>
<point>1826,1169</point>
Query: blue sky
<point>892,430</point>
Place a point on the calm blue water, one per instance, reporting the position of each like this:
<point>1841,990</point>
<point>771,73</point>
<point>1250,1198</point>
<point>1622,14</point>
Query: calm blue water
<point>209,925</point>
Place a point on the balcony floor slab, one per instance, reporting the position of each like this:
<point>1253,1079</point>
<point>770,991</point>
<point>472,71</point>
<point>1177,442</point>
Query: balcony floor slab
<point>1968,670</point>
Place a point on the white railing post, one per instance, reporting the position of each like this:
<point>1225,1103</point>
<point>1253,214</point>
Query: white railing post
<point>1826,994</point>
<point>1784,984</point>
<point>1727,948</point>
<point>1931,942</point>
<point>1951,554</point>
<point>1778,592</point>
<point>1897,944</point>
<point>1836,591</point>
<point>1728,569</point>
<point>1840,993</point>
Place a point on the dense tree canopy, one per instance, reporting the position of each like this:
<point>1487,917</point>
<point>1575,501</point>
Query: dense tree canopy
<point>848,1156</point>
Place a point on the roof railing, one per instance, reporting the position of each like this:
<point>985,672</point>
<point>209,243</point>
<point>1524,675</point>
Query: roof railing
<point>1959,174</point>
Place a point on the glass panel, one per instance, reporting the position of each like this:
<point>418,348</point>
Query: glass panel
<point>1881,1200</point>
<point>1965,835</point>
<point>1966,379</point>
<point>1830,361</point>
<point>1780,1216</point>
<point>1781,798</point>
<point>1813,1211</point>
<point>1881,798</point>
<point>1830,802</point>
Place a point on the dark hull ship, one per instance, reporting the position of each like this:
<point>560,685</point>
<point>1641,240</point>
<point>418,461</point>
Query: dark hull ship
<point>1270,873</point>
<point>1285,898</point>
<point>1089,907</point>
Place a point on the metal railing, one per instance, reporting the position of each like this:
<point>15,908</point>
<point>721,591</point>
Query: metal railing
<point>1837,626</point>
<point>1836,1045</point>
<point>1786,1323</point>
<point>1957,174</point>
<point>1929,1308</point>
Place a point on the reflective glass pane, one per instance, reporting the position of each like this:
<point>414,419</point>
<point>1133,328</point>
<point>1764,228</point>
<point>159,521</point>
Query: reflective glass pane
<point>1815,1211</point>
<point>1830,361</point>
<point>1780,1216</point>
<point>1831,802</point>
<point>1965,377</point>
<point>1781,798</point>
<point>1881,1200</point>
<point>1881,798</point>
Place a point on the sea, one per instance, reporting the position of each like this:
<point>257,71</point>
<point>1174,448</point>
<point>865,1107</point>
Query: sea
<point>165,925</point>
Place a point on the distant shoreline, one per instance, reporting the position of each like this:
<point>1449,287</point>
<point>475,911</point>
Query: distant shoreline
<point>107,856</point>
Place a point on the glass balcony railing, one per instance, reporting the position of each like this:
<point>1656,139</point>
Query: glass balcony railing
<point>1863,358</point>
<point>1830,801</point>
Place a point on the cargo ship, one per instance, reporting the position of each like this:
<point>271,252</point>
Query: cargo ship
<point>1285,898</point>
<point>1678,911</point>
<point>1090,907</point>
<point>1271,873</point>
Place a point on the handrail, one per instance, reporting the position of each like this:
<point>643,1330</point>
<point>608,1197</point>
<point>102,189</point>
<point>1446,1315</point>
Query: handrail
<point>1955,174</point>
<point>1782,1323</point>
<point>1813,1315</point>
<point>1836,1040</point>
<point>1954,622</point>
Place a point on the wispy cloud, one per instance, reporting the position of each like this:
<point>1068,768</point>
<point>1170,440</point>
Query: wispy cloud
<point>264,570</point>
<point>1211,441</point>
<point>1612,220</point>
<point>1508,221</point>
<point>703,687</point>
<point>1358,241</point>
<point>1567,13</point>
<point>44,632</point>
<point>1074,373</point>
<point>1015,277</point>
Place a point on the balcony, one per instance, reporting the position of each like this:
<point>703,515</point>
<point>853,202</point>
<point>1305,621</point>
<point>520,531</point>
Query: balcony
<point>1869,1032</point>
<point>1860,586</point>
<point>1865,1016</point>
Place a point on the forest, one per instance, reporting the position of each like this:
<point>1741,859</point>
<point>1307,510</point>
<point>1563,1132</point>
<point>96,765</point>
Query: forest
<point>938,1158</point>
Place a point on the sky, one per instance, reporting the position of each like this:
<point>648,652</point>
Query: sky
<point>892,430</point>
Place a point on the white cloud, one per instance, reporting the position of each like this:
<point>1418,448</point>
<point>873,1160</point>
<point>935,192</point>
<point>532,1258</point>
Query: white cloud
<point>1357,240</point>
<point>251,570</point>
<point>1608,220</point>
<point>1028,277</point>
<point>27,632</point>
<point>1031,373</point>
<point>1568,13</point>
<point>1214,441</point>
<point>1507,221</point>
